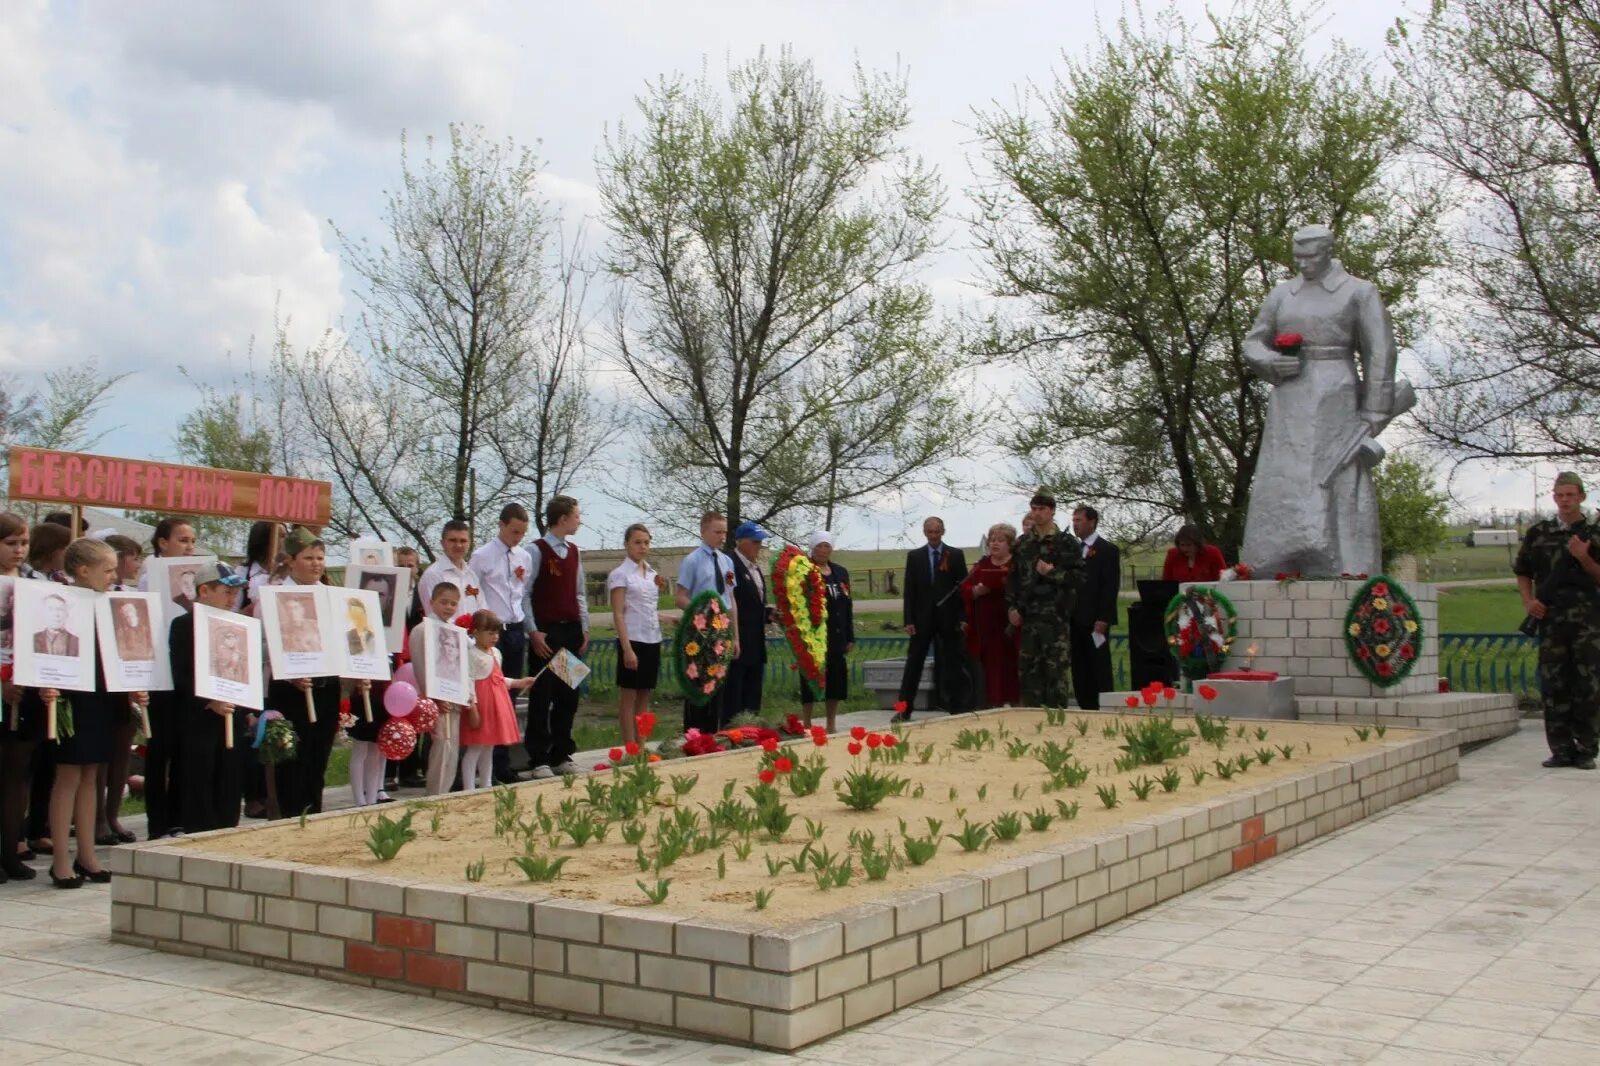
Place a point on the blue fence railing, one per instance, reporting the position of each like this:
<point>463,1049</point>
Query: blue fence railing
<point>1473,662</point>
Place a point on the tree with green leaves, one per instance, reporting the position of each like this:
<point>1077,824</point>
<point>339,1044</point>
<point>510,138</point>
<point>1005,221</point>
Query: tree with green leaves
<point>464,385</point>
<point>1412,509</point>
<point>767,235</point>
<point>1506,99</point>
<point>1135,214</point>
<point>61,415</point>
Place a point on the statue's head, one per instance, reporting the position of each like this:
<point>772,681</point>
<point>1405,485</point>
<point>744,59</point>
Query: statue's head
<point>1313,250</point>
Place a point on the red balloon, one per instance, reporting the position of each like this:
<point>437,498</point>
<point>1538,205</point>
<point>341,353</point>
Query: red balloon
<point>397,739</point>
<point>425,716</point>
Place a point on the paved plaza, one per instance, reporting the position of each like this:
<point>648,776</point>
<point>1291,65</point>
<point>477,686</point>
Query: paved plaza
<point>1460,927</point>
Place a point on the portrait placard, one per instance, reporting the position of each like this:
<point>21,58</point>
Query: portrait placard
<point>392,586</point>
<point>172,580</point>
<point>133,642</point>
<point>300,635</point>
<point>54,636</point>
<point>227,657</point>
<point>370,551</point>
<point>365,651</point>
<point>444,662</point>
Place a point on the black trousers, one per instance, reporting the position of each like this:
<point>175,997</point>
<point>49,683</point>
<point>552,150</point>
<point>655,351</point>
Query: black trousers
<point>513,647</point>
<point>743,690</point>
<point>300,781</point>
<point>552,705</point>
<point>1091,667</point>
<point>163,766</point>
<point>952,681</point>
<point>42,783</point>
<point>210,788</point>
<point>709,716</point>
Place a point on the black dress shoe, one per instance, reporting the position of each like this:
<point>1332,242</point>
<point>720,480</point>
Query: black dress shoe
<point>1555,762</point>
<point>19,871</point>
<point>99,877</point>
<point>1583,763</point>
<point>65,882</point>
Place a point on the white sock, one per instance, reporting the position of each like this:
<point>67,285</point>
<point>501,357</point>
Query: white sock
<point>477,766</point>
<point>377,766</point>
<point>358,772</point>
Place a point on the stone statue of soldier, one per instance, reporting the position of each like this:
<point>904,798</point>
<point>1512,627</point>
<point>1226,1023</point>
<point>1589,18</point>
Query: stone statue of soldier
<point>1325,343</point>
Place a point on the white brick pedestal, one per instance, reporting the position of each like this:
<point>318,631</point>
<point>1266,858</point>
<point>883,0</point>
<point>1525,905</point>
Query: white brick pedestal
<point>1297,629</point>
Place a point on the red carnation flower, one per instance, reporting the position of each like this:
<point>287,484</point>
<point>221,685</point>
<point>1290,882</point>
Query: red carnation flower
<point>767,777</point>
<point>465,620</point>
<point>1287,341</point>
<point>1380,589</point>
<point>853,748</point>
<point>1207,692</point>
<point>1407,652</point>
<point>616,754</point>
<point>873,740</point>
<point>858,732</point>
<point>1385,670</point>
<point>1362,652</point>
<point>1398,610</point>
<point>344,705</point>
<point>1381,626</point>
<point>782,765</point>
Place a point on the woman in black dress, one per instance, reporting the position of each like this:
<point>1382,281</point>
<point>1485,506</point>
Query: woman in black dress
<point>91,564</point>
<point>300,780</point>
<point>841,632</point>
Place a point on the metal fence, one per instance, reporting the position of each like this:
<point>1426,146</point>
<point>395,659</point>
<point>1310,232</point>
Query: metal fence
<point>1473,662</point>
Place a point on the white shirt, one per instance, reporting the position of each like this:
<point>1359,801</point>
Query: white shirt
<point>1088,542</point>
<point>559,545</point>
<point>503,591</point>
<point>640,599</point>
<point>752,572</point>
<point>462,577</point>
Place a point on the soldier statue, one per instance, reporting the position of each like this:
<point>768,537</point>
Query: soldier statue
<point>1325,343</point>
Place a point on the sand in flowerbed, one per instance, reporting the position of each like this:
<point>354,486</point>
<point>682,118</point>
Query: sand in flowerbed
<point>607,872</point>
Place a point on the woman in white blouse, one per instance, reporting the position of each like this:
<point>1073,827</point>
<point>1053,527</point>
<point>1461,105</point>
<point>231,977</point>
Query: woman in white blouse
<point>635,589</point>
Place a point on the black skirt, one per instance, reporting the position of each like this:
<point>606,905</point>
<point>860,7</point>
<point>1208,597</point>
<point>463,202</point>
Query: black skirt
<point>647,674</point>
<point>836,679</point>
<point>94,725</point>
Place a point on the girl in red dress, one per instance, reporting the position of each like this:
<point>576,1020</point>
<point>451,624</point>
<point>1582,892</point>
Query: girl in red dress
<point>991,638</point>
<point>490,720</point>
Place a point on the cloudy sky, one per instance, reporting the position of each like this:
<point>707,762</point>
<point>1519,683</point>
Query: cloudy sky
<point>168,170</point>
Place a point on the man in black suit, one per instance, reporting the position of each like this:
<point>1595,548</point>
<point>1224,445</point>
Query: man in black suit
<point>1096,610</point>
<point>933,614</point>
<point>743,689</point>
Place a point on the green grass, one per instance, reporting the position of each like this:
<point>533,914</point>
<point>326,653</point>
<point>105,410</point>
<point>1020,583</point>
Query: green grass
<point>1496,609</point>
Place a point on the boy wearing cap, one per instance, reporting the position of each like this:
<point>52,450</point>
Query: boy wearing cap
<point>703,569</point>
<point>209,788</point>
<point>1558,573</point>
<point>743,690</point>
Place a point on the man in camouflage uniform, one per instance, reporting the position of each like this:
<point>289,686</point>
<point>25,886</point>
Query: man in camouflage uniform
<point>1558,571</point>
<point>1045,577</point>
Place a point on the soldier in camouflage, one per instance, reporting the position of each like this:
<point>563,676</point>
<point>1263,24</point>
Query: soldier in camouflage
<point>1558,571</point>
<point>1046,575</point>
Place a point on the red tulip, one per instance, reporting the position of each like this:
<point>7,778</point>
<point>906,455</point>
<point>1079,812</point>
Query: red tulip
<point>1132,701</point>
<point>616,754</point>
<point>854,748</point>
<point>1150,697</point>
<point>767,777</point>
<point>858,732</point>
<point>1207,692</point>
<point>645,722</point>
<point>873,740</point>
<point>602,766</point>
<point>783,765</point>
<point>631,748</point>
<point>890,740</point>
<point>770,744</point>
<point>900,707</point>
<point>1169,694</point>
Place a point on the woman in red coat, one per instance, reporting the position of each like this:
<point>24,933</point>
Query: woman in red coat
<point>991,638</point>
<point>1191,559</point>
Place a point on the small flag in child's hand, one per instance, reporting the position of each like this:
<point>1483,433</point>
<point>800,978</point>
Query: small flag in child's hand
<point>569,668</point>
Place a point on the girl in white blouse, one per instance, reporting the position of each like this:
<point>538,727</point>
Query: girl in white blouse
<point>635,589</point>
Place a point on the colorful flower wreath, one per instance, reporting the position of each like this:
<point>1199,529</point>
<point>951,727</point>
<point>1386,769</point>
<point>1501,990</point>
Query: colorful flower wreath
<point>802,610</point>
<point>1185,636</point>
<point>1383,631</point>
<point>704,646</point>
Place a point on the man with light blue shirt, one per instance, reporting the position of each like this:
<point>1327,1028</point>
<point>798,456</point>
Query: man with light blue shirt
<point>707,568</point>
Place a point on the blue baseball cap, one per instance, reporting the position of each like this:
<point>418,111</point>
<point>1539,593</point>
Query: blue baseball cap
<point>218,574</point>
<point>750,531</point>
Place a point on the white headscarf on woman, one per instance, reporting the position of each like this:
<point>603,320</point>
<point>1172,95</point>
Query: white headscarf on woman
<point>821,536</point>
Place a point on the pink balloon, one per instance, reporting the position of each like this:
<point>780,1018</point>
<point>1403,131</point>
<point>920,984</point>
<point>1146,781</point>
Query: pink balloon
<point>399,699</point>
<point>407,673</point>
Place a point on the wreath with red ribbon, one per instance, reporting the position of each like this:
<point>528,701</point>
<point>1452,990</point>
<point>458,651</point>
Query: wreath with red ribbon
<point>1383,631</point>
<point>802,603</point>
<point>1186,636</point>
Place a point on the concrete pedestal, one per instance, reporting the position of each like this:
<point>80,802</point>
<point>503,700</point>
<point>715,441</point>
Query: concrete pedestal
<point>1252,699</point>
